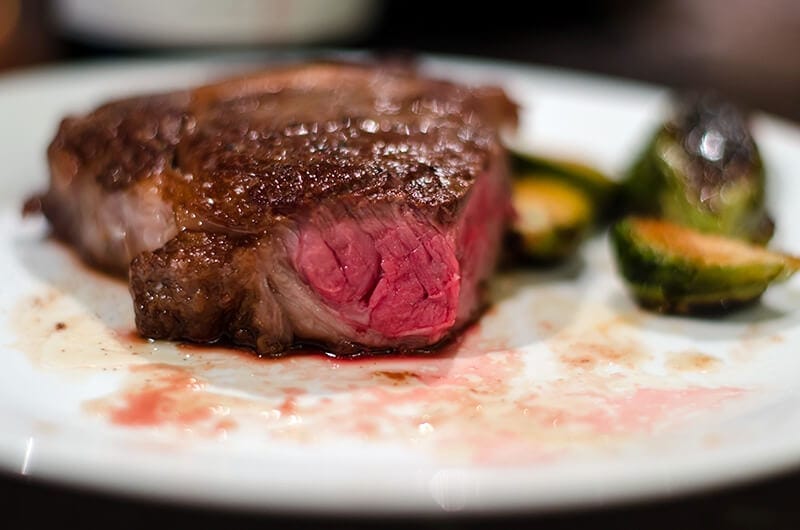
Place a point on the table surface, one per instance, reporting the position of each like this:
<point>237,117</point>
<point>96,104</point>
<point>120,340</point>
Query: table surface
<point>769,504</point>
<point>611,37</point>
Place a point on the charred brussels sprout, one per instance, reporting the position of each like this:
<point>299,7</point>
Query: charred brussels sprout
<point>552,218</point>
<point>702,169</point>
<point>675,269</point>
<point>598,187</point>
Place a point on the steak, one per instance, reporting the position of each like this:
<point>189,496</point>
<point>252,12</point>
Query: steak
<point>349,206</point>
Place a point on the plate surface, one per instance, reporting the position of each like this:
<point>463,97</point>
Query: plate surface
<point>564,393</point>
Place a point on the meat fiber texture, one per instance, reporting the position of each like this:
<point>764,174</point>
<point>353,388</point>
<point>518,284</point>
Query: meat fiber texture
<point>357,208</point>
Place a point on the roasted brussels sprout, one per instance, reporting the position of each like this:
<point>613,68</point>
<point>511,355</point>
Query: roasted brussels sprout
<point>599,188</point>
<point>703,169</point>
<point>552,218</point>
<point>675,269</point>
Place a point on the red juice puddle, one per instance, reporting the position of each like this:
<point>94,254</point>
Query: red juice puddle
<point>648,406</point>
<point>639,411</point>
<point>470,401</point>
<point>131,337</point>
<point>218,347</point>
<point>161,399</point>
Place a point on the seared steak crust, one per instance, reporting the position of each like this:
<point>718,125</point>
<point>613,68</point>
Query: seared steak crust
<point>233,199</point>
<point>126,141</point>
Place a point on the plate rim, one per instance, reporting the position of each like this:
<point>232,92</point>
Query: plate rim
<point>774,457</point>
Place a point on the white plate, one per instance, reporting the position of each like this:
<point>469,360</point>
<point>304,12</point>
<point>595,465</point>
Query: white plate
<point>565,394</point>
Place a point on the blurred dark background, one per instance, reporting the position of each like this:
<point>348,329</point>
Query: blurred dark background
<point>745,48</point>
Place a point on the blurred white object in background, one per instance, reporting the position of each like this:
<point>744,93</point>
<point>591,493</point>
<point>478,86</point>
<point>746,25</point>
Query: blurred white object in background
<point>157,23</point>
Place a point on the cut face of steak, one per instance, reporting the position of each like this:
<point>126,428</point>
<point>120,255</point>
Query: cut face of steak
<point>353,207</point>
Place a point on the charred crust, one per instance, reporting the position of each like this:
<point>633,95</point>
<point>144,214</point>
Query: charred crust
<point>239,152</point>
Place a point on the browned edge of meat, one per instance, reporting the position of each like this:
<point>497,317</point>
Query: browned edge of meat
<point>352,206</point>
